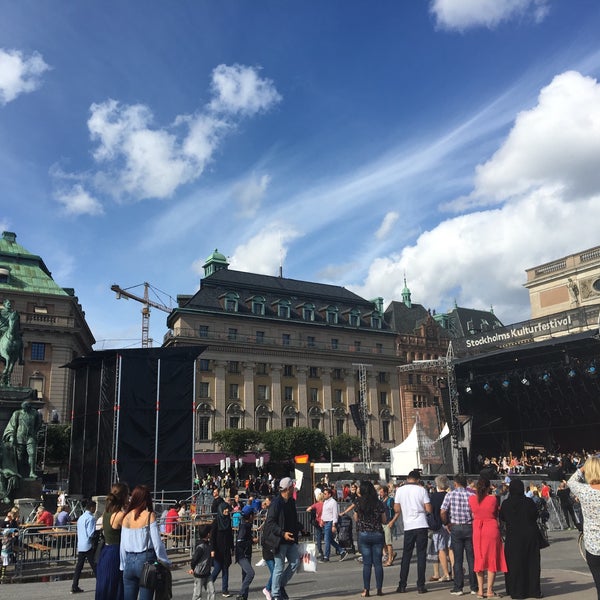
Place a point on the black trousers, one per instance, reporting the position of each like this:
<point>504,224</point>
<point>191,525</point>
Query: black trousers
<point>81,558</point>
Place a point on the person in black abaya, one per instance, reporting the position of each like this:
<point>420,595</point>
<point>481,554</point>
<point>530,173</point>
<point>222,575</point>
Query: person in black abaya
<point>221,538</point>
<point>522,550</point>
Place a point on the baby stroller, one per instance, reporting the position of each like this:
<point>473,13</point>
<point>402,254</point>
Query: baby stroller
<point>345,537</point>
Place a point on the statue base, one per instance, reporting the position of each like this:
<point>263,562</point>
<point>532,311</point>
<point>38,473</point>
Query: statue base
<point>30,488</point>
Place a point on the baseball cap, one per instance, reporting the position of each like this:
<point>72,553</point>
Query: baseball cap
<point>286,483</point>
<point>247,510</point>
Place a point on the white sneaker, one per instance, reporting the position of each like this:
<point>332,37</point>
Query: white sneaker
<point>267,593</point>
<point>260,563</point>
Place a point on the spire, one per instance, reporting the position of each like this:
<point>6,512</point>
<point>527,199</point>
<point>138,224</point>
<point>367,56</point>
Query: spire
<point>406,294</point>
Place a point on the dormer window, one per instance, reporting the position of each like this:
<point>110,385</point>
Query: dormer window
<point>354,318</point>
<point>332,315</point>
<point>308,312</point>
<point>257,306</point>
<point>4,274</point>
<point>376,320</point>
<point>283,308</point>
<point>231,301</point>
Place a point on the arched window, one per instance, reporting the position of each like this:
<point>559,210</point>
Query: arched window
<point>283,308</point>
<point>231,301</point>
<point>308,311</point>
<point>290,416</point>
<point>257,305</point>
<point>354,318</point>
<point>376,319</point>
<point>204,422</point>
<point>235,416</point>
<point>262,418</point>
<point>385,423</point>
<point>315,417</point>
<point>332,315</point>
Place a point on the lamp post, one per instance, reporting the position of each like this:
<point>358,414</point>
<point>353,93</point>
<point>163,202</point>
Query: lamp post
<point>331,411</point>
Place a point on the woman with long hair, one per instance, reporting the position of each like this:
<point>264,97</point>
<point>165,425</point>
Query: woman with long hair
<point>487,543</point>
<point>522,543</point>
<point>370,516</point>
<point>585,484</point>
<point>140,543</point>
<point>109,579</point>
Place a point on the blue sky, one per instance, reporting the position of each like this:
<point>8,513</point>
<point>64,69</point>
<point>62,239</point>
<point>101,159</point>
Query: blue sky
<point>454,141</point>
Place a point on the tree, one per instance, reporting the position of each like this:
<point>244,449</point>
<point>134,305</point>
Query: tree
<point>58,443</point>
<point>346,447</point>
<point>284,444</point>
<point>237,441</point>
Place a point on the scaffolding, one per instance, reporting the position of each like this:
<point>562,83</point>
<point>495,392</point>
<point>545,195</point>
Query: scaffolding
<point>363,391</point>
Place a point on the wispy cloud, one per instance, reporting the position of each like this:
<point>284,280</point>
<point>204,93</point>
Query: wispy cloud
<point>19,74</point>
<point>76,201</point>
<point>467,14</point>
<point>249,194</point>
<point>386,225</point>
<point>136,159</point>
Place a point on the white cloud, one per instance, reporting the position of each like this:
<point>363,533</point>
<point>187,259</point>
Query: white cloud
<point>546,183</point>
<point>239,89</point>
<point>19,74</point>
<point>138,159</point>
<point>386,225</point>
<point>264,252</point>
<point>555,143</point>
<point>249,193</point>
<point>77,201</point>
<point>465,14</point>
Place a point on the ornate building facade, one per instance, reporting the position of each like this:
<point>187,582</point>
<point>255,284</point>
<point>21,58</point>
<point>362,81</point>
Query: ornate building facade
<point>286,353</point>
<point>53,326</point>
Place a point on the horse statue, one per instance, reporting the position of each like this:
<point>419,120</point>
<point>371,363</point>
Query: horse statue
<point>11,342</point>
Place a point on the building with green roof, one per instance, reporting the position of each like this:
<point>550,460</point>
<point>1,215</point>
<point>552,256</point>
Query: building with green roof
<point>53,326</point>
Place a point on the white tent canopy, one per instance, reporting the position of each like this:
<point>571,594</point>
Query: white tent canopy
<point>405,457</point>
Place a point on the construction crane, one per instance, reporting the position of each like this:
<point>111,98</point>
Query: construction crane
<point>145,300</point>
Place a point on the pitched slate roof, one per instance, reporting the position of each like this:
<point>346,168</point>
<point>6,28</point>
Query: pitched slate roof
<point>28,273</point>
<point>464,322</point>
<point>404,319</point>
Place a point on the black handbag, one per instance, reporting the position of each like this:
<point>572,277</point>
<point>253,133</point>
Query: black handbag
<point>153,575</point>
<point>542,538</point>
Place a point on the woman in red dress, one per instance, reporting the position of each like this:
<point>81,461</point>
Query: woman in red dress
<point>487,543</point>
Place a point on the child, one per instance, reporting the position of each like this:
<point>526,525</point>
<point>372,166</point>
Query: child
<point>8,540</point>
<point>243,551</point>
<point>201,566</point>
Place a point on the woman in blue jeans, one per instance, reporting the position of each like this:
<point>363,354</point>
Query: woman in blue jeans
<point>140,542</point>
<point>370,515</point>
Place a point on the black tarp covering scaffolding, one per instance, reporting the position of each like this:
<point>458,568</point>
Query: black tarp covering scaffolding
<point>132,420</point>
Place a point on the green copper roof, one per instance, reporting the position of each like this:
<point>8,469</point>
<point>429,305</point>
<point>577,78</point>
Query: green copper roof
<point>216,256</point>
<point>22,271</point>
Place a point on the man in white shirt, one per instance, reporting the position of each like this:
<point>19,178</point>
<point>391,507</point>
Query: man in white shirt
<point>86,527</point>
<point>412,500</point>
<point>330,519</point>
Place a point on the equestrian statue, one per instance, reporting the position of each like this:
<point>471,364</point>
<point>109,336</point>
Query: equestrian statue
<point>11,342</point>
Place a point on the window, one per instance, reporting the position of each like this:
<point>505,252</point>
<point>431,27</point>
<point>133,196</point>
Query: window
<point>258,306</point>
<point>285,339</point>
<point>288,393</point>
<point>202,428</point>
<point>357,345</point>
<point>261,369</point>
<point>410,379</point>
<point>283,309</point>
<point>354,318</point>
<point>203,331</point>
<point>40,310</point>
<point>314,394</point>
<point>383,398</point>
<point>378,348</point>
<point>337,373</point>
<point>288,370</point>
<point>385,431</point>
<point>338,396</point>
<point>315,423</point>
<point>310,341</point>
<point>260,337</point>
<point>37,384</point>
<point>204,364</point>
<point>234,366</point>
<point>331,316</point>
<point>339,426</point>
<point>231,302</point>
<point>290,422</point>
<point>382,377</point>
<point>313,372</point>
<point>308,312</point>
<point>263,392</point>
<point>38,351</point>
<point>263,424</point>
<point>233,391</point>
<point>376,321</point>
<point>334,343</point>
<point>234,422</point>
<point>204,389</point>
<point>232,334</point>
<point>418,378</point>
<point>420,401</point>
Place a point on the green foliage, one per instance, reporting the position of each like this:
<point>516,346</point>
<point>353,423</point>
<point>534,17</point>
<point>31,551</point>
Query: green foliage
<point>58,444</point>
<point>284,444</point>
<point>346,447</point>
<point>237,441</point>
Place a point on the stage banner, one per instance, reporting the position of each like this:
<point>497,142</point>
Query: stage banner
<point>428,432</point>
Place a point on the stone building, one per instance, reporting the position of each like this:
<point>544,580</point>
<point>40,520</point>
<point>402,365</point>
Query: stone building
<point>53,326</point>
<point>286,353</point>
